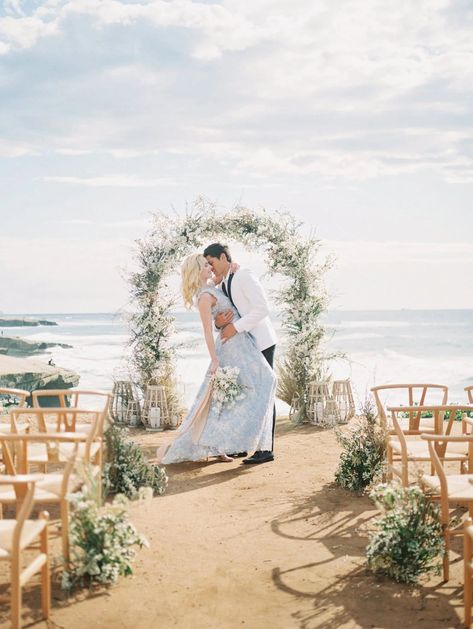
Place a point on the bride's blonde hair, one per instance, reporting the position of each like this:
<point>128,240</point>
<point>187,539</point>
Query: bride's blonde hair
<point>190,275</point>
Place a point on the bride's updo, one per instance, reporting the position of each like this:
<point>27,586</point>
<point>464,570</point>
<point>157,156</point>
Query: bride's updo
<point>190,274</point>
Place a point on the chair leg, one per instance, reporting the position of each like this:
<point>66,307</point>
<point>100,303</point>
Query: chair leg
<point>100,479</point>
<point>446,557</point>
<point>65,529</point>
<point>389,457</point>
<point>15,593</point>
<point>467,587</point>
<point>405,474</point>
<point>45,574</point>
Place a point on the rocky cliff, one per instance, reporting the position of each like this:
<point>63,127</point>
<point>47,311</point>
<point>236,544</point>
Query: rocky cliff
<point>22,373</point>
<point>11,322</point>
<point>15,346</point>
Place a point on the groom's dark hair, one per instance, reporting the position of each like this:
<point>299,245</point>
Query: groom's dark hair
<point>216,249</point>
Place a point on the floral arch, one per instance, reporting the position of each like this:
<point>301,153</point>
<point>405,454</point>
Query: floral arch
<point>301,298</point>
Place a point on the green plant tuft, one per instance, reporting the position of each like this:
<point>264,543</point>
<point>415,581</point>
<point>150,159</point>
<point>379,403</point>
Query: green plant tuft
<point>102,541</point>
<point>127,469</point>
<point>363,456</point>
<point>408,542</point>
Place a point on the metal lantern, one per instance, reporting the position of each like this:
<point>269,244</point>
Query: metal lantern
<point>343,396</point>
<point>331,413</point>
<point>132,414</point>
<point>122,401</point>
<point>319,394</point>
<point>156,413</point>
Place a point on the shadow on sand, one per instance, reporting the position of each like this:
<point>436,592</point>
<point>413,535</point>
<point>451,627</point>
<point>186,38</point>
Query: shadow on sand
<point>342,590</point>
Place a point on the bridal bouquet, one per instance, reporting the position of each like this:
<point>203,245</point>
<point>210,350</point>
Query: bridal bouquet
<point>226,388</point>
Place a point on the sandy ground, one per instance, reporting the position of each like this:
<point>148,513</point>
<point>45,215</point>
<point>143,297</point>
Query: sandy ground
<point>276,545</point>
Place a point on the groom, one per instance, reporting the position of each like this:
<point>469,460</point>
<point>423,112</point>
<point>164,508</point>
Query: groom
<point>247,295</point>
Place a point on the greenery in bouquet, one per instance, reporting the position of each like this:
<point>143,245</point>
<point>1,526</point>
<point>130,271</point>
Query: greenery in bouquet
<point>126,469</point>
<point>408,541</point>
<point>226,389</point>
<point>363,456</point>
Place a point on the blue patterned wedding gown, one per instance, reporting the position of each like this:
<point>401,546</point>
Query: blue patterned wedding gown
<point>247,426</point>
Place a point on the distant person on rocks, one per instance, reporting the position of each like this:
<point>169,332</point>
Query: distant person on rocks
<point>51,363</point>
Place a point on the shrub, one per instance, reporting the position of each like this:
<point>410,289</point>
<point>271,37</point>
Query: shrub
<point>409,540</point>
<point>102,541</point>
<point>127,469</point>
<point>363,451</point>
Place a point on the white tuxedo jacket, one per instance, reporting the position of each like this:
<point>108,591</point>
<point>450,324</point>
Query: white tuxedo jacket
<point>249,298</point>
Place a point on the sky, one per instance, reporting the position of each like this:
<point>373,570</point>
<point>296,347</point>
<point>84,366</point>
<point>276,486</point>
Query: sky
<point>356,117</point>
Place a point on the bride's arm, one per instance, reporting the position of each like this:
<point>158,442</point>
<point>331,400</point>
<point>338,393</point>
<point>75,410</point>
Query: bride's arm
<point>205,304</point>
<point>217,279</point>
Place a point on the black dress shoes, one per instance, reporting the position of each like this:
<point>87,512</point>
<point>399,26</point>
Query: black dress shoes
<point>237,455</point>
<point>261,456</point>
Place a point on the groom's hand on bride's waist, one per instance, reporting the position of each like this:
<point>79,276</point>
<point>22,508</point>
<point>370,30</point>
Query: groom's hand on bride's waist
<point>223,319</point>
<point>227,332</point>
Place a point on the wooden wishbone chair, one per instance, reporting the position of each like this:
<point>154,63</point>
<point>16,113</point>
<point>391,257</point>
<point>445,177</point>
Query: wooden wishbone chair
<point>400,449</point>
<point>51,488</point>
<point>19,394</point>
<point>414,395</point>
<point>87,399</point>
<point>54,420</point>
<point>17,535</point>
<point>468,571</point>
<point>449,489</point>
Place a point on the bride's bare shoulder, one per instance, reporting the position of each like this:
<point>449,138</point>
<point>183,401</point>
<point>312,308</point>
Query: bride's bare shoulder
<point>206,297</point>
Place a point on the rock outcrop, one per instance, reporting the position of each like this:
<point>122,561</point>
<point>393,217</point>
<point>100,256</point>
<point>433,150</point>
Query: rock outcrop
<point>22,373</point>
<point>15,346</point>
<point>11,322</point>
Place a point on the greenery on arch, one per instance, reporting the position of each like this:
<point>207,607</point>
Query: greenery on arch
<point>301,298</point>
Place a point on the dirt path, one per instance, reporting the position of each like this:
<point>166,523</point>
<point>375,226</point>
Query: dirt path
<point>277,545</point>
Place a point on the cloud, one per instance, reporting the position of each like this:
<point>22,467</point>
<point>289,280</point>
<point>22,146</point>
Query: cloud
<point>10,148</point>
<point>89,273</point>
<point>337,91</point>
<point>398,274</point>
<point>24,32</point>
<point>117,181</point>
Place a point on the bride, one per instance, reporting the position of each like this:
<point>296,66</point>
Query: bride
<point>208,429</point>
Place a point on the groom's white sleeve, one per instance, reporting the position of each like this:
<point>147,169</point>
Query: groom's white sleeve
<point>254,292</point>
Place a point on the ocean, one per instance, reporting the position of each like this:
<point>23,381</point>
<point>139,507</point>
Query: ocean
<point>379,346</point>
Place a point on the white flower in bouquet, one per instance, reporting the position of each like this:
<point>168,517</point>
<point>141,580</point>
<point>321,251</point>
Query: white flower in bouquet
<point>226,388</point>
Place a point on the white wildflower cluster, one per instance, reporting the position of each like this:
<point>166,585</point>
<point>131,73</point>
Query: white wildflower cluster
<point>226,389</point>
<point>102,542</point>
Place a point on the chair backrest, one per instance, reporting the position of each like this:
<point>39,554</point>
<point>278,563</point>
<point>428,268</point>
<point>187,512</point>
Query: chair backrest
<point>89,400</point>
<point>19,443</point>
<point>65,418</point>
<point>72,398</point>
<point>438,443</point>
<point>40,416</point>
<point>19,394</point>
<point>409,395</point>
<point>23,486</point>
<point>469,392</point>
<point>436,412</point>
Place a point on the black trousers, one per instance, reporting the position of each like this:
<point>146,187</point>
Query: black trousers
<point>268,353</point>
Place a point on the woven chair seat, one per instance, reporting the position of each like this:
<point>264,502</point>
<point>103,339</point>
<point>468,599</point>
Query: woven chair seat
<point>459,486</point>
<point>31,530</point>
<point>419,450</point>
